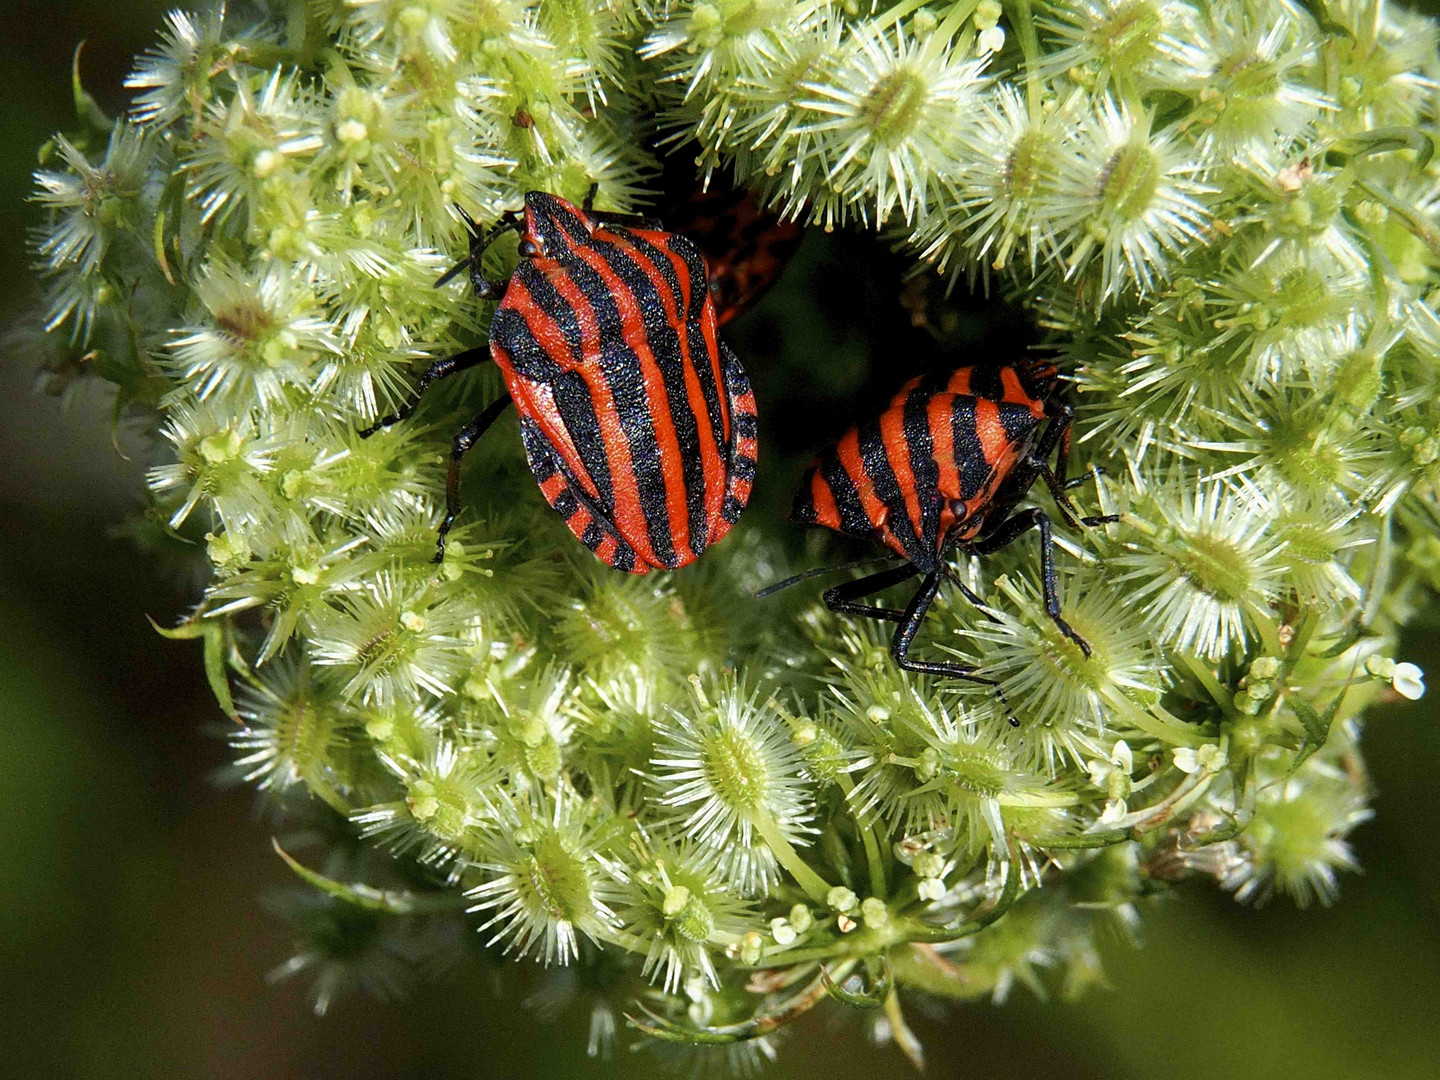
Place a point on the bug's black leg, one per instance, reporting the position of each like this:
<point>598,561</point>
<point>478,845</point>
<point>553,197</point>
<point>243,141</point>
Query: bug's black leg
<point>611,217</point>
<point>464,440</point>
<point>625,221</point>
<point>1092,473</point>
<point>842,597</point>
<point>1017,525</point>
<point>440,369</point>
<point>965,590</point>
<point>910,621</point>
<point>1062,500</point>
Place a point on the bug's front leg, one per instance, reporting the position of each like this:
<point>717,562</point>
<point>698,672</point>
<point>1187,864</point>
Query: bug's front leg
<point>1016,526</point>
<point>841,599</point>
<point>467,437</point>
<point>440,369</point>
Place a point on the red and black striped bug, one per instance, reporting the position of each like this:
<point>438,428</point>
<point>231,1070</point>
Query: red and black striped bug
<point>941,471</point>
<point>638,421</point>
<point>746,248</point>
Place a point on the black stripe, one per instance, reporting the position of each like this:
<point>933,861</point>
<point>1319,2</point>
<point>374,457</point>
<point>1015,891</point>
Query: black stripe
<point>853,519</point>
<point>802,510</point>
<point>970,460</point>
<point>887,488</point>
<point>916,425</point>
<point>577,412</point>
<point>742,467</point>
<point>537,450</point>
<point>1019,423</point>
<point>544,459</point>
<point>548,299</point>
<point>510,329</point>
<point>620,368</point>
<point>746,426</point>
<point>511,332</point>
<point>985,382</point>
<point>730,509</point>
<point>565,503</point>
<point>664,342</point>
<point>699,294</point>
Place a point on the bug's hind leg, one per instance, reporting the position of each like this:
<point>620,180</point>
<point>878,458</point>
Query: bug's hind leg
<point>1016,526</point>
<point>842,599</point>
<point>467,437</point>
<point>440,369</point>
<point>614,217</point>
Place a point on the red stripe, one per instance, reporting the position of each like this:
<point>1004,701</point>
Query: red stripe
<point>629,518</point>
<point>1016,394</point>
<point>632,322</point>
<point>897,452</point>
<point>959,382</point>
<point>537,399</point>
<point>939,411</point>
<point>711,464</point>
<point>990,431</point>
<point>826,512</point>
<point>710,441</point>
<point>847,451</point>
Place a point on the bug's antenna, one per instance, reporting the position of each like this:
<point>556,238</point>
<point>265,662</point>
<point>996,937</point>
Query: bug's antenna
<point>818,572</point>
<point>451,274</point>
<point>479,242</point>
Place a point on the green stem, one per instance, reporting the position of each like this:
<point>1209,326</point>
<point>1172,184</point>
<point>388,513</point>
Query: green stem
<point>891,16</point>
<point>1022,20</point>
<point>1167,729</point>
<point>1421,227</point>
<point>873,858</point>
<point>808,879</point>
<point>1009,891</point>
<point>1211,684</point>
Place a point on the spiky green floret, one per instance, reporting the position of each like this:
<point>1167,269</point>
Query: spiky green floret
<point>546,884</point>
<point>734,782</point>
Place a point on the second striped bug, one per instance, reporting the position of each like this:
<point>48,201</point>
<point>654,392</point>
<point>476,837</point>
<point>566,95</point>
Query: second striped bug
<point>941,471</point>
<point>637,420</point>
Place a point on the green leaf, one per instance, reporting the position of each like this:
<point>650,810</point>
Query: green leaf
<point>871,998</point>
<point>213,634</point>
<point>1385,141</point>
<point>1317,725</point>
<point>386,901</point>
<point>87,109</point>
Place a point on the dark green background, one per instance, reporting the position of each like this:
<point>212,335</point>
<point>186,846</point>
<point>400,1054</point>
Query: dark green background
<point>132,942</point>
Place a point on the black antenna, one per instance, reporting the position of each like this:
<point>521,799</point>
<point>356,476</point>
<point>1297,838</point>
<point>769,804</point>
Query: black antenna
<point>509,221</point>
<point>819,571</point>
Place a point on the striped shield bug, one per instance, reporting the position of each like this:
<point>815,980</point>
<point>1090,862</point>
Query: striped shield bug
<point>746,248</point>
<point>940,471</point>
<point>637,420</point>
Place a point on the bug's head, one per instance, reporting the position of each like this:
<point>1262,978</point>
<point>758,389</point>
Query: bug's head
<point>551,225</point>
<point>1040,378</point>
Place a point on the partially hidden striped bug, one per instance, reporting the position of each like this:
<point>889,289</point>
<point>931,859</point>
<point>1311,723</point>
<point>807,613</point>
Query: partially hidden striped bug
<point>940,471</point>
<point>746,247</point>
<point>637,420</point>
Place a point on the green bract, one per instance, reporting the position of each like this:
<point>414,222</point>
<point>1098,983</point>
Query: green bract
<point>1221,214</point>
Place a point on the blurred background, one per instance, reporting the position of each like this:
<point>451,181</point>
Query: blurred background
<point>133,939</point>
